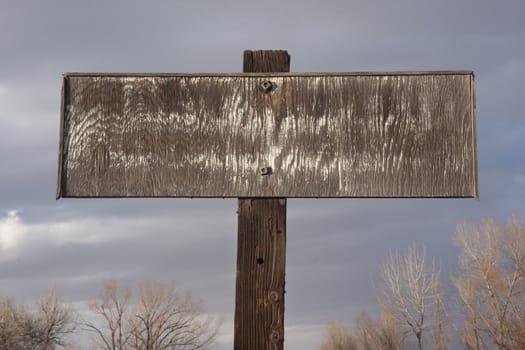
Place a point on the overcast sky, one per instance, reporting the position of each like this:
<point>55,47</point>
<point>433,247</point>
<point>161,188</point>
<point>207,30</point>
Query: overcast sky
<point>334,247</point>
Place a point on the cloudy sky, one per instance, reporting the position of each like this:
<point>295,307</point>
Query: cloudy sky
<point>334,247</point>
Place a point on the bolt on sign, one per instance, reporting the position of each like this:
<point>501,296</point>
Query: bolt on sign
<point>264,136</point>
<point>409,134</point>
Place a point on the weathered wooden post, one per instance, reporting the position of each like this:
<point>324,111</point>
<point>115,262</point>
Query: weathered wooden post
<point>264,136</point>
<point>261,245</point>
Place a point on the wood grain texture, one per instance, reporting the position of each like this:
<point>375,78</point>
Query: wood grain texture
<point>339,135</point>
<point>261,250</point>
<point>266,61</point>
<point>259,294</point>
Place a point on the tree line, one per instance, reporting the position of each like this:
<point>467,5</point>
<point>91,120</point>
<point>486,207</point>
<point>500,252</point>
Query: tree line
<point>485,311</point>
<point>154,317</point>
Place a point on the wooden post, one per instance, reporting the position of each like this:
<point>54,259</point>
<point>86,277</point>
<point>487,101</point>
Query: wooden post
<point>261,249</point>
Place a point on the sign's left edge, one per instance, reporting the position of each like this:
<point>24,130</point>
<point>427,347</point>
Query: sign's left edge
<point>60,176</point>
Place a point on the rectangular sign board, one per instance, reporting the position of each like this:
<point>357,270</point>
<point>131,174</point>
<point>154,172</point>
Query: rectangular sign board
<point>403,134</point>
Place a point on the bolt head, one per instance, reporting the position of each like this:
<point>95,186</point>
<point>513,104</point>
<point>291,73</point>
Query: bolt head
<point>266,170</point>
<point>268,86</point>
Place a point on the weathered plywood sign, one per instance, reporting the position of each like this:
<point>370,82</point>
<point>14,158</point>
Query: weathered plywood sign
<point>268,135</point>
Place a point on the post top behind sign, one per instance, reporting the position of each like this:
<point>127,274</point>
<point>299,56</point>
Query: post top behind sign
<point>266,61</point>
<point>397,134</point>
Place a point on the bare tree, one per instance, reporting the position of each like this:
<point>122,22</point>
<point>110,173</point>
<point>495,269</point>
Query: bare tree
<point>366,334</point>
<point>45,327</point>
<point>11,318</point>
<point>167,320</point>
<point>366,331</point>
<point>113,308</point>
<point>54,321</point>
<point>383,334</point>
<point>161,319</point>
<point>491,283</point>
<point>411,291</point>
<point>338,337</point>
<point>439,332</point>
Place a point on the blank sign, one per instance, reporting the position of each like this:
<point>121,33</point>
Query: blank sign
<point>409,134</point>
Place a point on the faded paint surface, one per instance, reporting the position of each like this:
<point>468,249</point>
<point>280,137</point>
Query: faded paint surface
<point>336,135</point>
